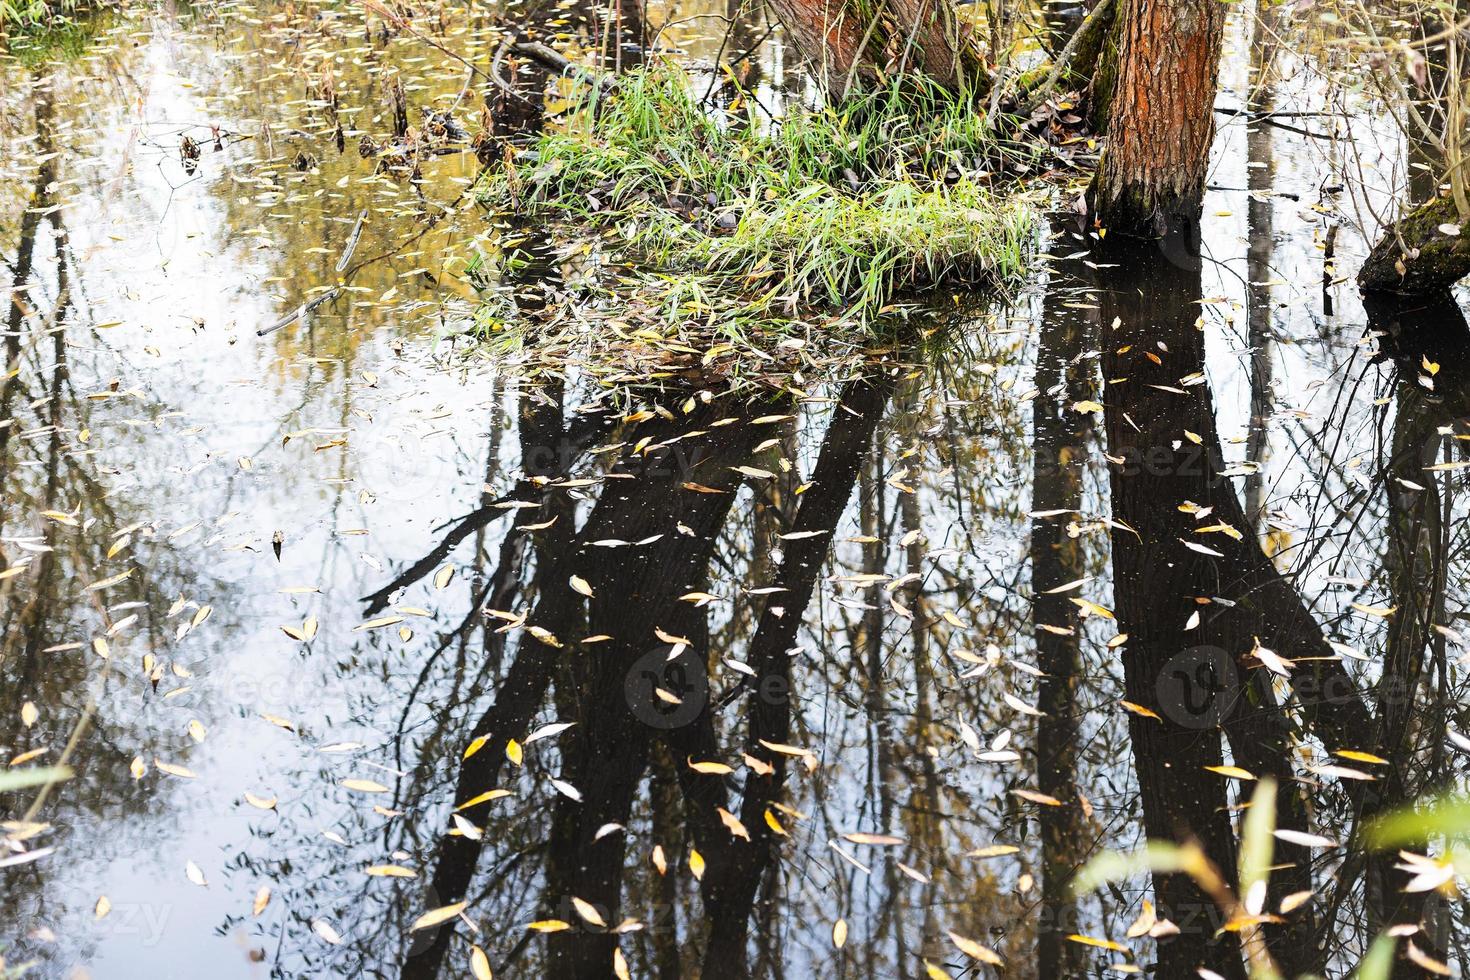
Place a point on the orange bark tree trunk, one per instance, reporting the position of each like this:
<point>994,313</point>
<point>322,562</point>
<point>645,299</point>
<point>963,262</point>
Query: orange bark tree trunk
<point>1161,124</point>
<point>861,39</point>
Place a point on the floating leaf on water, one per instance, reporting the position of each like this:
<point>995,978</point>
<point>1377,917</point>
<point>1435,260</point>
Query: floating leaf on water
<point>364,785</point>
<point>1140,710</point>
<point>710,768</point>
<point>1233,772</point>
<point>437,916</point>
<point>975,951</point>
<point>548,731</point>
<point>379,623</point>
<point>1099,943</point>
<point>262,899</point>
<point>732,823</point>
<point>485,797</point>
<point>389,871</point>
<point>1035,797</point>
<point>875,840</point>
<point>588,912</point>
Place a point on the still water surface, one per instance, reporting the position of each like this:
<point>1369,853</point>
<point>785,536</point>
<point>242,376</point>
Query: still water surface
<point>793,682</point>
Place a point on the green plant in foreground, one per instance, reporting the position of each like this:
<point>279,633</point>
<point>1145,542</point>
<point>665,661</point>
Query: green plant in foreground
<point>841,207</point>
<point>1446,817</point>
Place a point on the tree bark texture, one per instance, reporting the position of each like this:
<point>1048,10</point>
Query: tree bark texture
<point>1161,124</point>
<point>862,39</point>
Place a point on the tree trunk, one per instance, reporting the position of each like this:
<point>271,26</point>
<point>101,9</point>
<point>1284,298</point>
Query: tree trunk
<point>861,41</point>
<point>1188,656</point>
<point>1161,124</point>
<point>1416,257</point>
<point>1061,435</point>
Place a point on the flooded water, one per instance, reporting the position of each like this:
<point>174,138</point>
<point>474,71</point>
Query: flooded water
<point>373,655</point>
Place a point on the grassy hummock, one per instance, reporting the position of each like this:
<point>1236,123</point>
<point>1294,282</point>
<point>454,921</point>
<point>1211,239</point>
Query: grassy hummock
<point>841,209</point>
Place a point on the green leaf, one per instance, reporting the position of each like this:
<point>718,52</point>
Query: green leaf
<point>1157,856</point>
<point>1378,964</point>
<point>1448,816</point>
<point>1255,838</point>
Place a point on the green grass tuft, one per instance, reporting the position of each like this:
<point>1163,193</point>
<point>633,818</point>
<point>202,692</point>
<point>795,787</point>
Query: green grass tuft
<point>845,207</point>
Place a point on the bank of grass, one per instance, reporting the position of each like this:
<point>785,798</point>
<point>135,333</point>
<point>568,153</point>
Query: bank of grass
<point>840,209</point>
<point>33,32</point>
<point>20,16</point>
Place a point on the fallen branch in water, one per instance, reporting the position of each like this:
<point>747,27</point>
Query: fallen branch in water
<point>303,310</point>
<point>352,240</point>
<point>558,62</point>
<point>534,50</point>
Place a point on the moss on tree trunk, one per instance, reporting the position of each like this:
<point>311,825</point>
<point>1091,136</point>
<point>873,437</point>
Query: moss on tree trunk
<point>1416,256</point>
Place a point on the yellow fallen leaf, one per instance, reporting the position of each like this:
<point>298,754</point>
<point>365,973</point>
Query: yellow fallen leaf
<point>975,951</point>
<point>1099,943</point>
<point>1234,772</point>
<point>364,786</point>
<point>435,917</point>
<point>1139,709</point>
<point>588,912</point>
<point>492,794</point>
<point>711,768</point>
<point>389,871</point>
